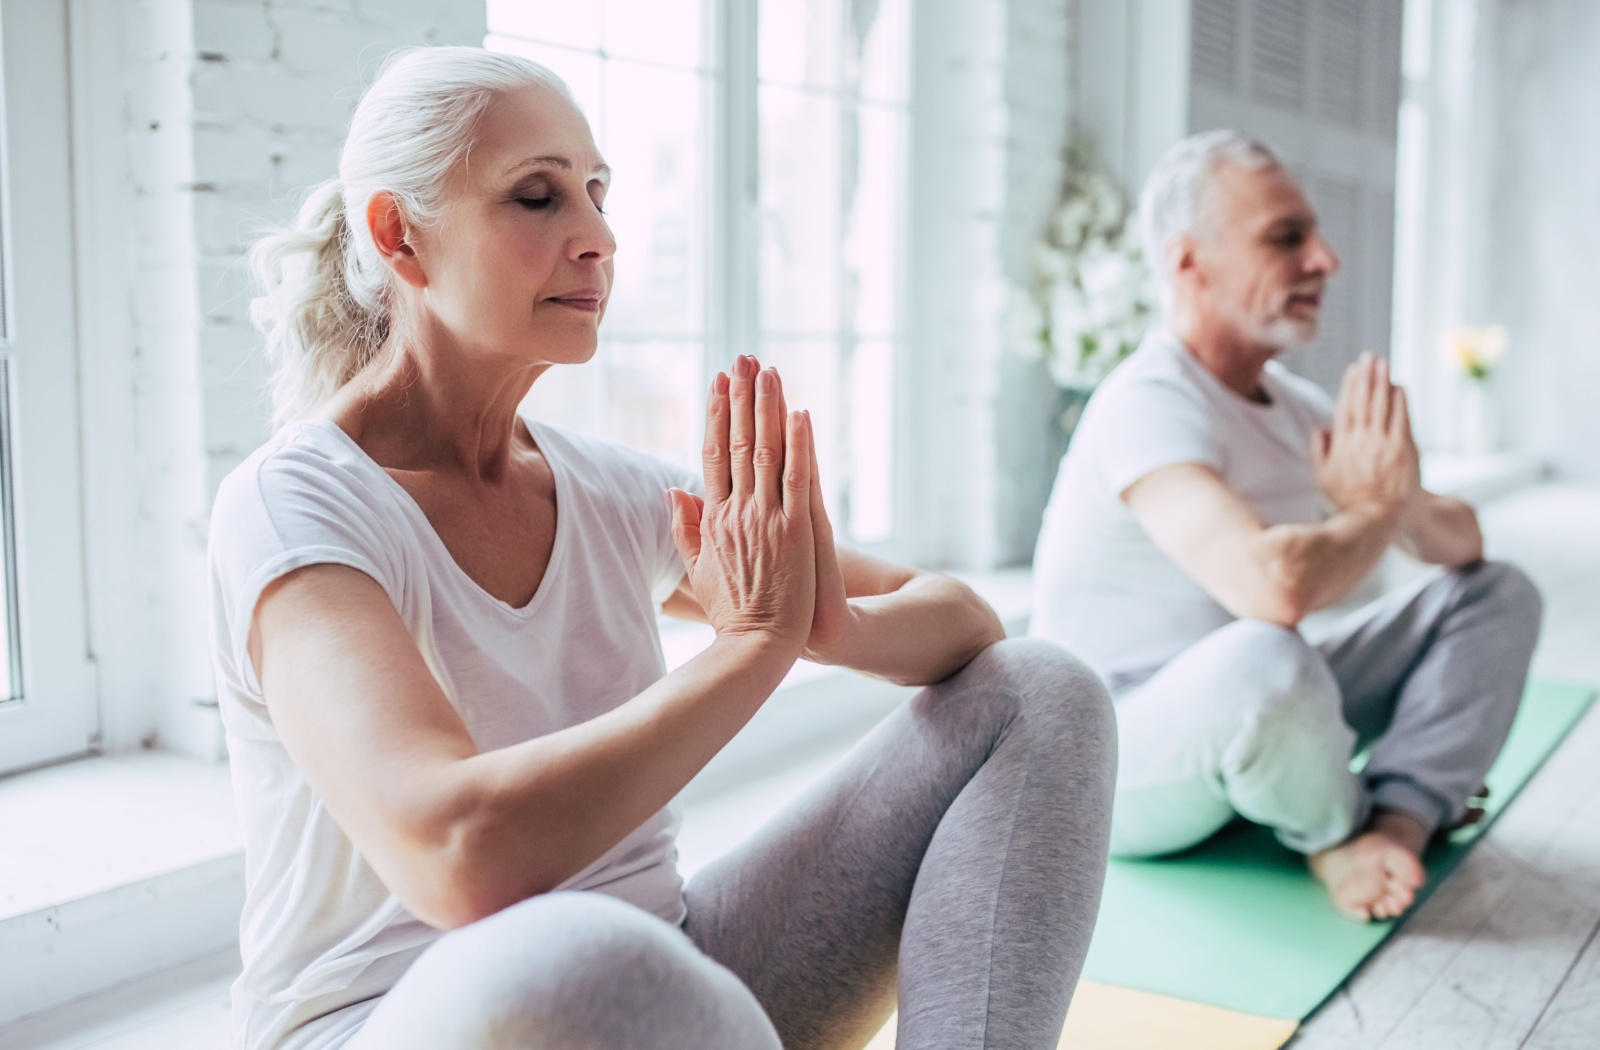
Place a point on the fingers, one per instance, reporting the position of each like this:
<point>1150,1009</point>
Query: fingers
<point>1321,445</point>
<point>769,454</point>
<point>1400,418</point>
<point>714,455</point>
<point>1366,375</point>
<point>821,527</point>
<point>686,510</point>
<point>797,465</point>
<point>1344,410</point>
<point>742,426</point>
<point>1382,394</point>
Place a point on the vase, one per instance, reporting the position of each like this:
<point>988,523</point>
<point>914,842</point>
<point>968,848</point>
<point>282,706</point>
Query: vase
<point>1479,420</point>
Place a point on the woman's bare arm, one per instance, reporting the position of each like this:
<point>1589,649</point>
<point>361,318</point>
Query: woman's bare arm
<point>457,835</point>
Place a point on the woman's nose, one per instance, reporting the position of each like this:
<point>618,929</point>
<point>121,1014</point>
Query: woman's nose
<point>594,243</point>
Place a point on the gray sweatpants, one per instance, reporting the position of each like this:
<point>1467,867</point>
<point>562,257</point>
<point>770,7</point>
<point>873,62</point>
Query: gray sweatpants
<point>1253,720</point>
<point>955,857</point>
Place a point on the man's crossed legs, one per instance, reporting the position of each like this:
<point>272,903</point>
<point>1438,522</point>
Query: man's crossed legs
<point>1252,720</point>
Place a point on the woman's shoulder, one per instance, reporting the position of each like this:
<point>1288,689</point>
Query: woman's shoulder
<point>307,484</point>
<point>608,465</point>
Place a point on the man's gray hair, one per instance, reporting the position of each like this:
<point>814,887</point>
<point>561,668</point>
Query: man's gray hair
<point>1174,196</point>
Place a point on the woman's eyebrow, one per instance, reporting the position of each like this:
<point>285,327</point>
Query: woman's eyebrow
<point>554,161</point>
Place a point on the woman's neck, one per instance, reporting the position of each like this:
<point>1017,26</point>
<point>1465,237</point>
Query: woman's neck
<point>421,406</point>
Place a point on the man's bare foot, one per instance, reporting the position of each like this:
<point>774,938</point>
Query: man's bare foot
<point>1376,874</point>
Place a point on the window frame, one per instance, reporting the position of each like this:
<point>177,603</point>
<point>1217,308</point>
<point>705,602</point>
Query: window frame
<point>56,715</point>
<point>732,207</point>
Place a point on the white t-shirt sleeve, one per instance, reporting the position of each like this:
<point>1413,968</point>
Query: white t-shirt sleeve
<point>294,510</point>
<point>1149,424</point>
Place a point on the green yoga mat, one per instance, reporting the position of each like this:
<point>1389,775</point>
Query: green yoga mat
<point>1239,923</point>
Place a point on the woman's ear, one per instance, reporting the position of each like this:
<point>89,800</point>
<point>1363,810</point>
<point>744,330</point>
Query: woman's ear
<point>386,221</point>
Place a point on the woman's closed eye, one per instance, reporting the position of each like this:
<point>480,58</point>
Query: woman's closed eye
<point>537,203</point>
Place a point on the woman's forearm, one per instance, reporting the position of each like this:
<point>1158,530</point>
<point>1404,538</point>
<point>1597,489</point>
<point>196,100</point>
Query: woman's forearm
<point>923,632</point>
<point>521,820</point>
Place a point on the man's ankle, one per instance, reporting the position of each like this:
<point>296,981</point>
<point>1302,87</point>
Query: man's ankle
<point>1405,829</point>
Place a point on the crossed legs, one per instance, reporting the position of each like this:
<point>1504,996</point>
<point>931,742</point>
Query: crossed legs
<point>1254,721</point>
<point>955,857</point>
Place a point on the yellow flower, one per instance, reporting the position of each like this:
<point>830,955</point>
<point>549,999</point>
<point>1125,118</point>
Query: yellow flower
<point>1474,350</point>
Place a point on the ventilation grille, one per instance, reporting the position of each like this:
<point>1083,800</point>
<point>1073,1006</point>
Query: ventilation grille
<point>1214,43</point>
<point>1278,53</point>
<point>1339,39</point>
<point>1338,205</point>
<point>1388,27</point>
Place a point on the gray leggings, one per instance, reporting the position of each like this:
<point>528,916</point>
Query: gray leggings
<point>955,857</point>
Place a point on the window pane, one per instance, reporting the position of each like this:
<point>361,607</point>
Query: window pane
<point>653,400</point>
<point>874,196</point>
<point>665,31</point>
<point>882,31</point>
<point>656,206</point>
<point>10,635</point>
<point>549,21</point>
<point>869,448</point>
<point>800,198</point>
<point>799,42</point>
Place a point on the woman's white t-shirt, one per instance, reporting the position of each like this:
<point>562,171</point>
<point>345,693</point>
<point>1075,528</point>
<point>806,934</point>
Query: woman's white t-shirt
<point>320,931</point>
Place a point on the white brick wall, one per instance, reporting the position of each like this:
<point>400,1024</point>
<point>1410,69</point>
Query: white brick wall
<point>273,85</point>
<point>227,109</point>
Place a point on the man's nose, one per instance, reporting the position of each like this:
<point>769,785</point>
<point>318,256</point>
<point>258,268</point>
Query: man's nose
<point>1322,258</point>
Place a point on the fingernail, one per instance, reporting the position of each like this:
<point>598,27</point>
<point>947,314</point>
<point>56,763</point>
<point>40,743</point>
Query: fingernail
<point>720,384</point>
<point>766,381</point>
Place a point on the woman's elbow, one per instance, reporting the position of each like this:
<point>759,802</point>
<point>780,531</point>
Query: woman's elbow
<point>451,873</point>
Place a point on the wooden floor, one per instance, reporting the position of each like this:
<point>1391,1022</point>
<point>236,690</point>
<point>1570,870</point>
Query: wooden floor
<point>1504,956</point>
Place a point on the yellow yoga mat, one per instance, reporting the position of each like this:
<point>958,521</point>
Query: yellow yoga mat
<point>1105,1017</point>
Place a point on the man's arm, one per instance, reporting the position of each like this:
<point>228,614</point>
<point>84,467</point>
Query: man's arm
<point>1367,465</point>
<point>1439,530</point>
<point>1277,574</point>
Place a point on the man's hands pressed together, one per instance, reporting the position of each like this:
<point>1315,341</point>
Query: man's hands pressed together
<point>1369,459</point>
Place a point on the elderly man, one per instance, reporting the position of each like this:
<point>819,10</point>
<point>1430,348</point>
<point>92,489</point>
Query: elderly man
<point>1211,500</point>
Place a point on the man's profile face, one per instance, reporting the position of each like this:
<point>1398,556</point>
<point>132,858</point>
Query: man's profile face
<point>1259,264</point>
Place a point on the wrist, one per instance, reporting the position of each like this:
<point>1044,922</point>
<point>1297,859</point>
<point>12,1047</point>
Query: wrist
<point>834,646</point>
<point>1378,512</point>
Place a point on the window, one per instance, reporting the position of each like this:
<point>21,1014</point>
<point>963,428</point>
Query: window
<point>46,700</point>
<point>757,202</point>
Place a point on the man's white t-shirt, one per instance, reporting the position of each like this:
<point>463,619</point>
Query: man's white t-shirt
<point>320,931</point>
<point>1101,586</point>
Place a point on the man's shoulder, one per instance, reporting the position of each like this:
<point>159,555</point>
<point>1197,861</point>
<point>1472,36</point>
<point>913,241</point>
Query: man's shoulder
<point>1153,378</point>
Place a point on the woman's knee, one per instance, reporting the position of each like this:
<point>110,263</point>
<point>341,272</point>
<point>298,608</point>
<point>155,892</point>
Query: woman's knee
<point>583,969</point>
<point>1044,677</point>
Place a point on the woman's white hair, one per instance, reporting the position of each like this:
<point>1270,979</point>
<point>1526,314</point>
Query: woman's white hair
<point>1176,194</point>
<point>325,306</point>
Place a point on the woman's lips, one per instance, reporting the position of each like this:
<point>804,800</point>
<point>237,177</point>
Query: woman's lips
<point>588,304</point>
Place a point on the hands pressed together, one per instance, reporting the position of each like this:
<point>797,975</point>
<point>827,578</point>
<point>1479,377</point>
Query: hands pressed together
<point>759,547</point>
<point>1369,459</point>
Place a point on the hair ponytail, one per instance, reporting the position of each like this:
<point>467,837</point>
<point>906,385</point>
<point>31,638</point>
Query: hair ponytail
<point>318,330</point>
<point>324,308</point>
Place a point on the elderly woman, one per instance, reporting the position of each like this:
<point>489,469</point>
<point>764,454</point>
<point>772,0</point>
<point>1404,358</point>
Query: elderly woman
<point>454,747</point>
